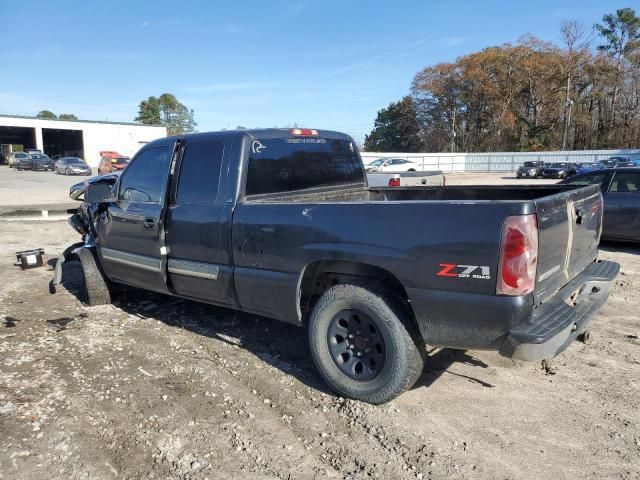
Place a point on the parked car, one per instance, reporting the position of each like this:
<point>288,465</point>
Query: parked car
<point>530,169</point>
<point>111,162</point>
<point>616,162</point>
<point>72,166</point>
<point>42,162</point>
<point>621,192</point>
<point>405,179</point>
<point>559,170</point>
<point>20,161</point>
<point>281,223</point>
<point>392,165</point>
<point>588,167</point>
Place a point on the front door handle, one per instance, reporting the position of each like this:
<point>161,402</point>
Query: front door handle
<point>150,223</point>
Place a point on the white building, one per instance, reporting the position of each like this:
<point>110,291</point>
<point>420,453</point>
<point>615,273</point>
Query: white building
<point>77,138</point>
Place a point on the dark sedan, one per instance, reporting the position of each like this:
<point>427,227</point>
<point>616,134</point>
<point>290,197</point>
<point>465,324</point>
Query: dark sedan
<point>621,192</point>
<point>42,162</point>
<point>72,166</point>
<point>559,170</point>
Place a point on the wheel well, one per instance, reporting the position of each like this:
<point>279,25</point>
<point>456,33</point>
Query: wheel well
<point>319,276</point>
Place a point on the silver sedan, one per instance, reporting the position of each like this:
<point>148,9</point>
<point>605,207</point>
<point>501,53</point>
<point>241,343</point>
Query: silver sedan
<point>72,166</point>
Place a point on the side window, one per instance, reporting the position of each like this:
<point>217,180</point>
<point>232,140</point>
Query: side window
<point>625,182</point>
<point>200,172</point>
<point>588,179</point>
<point>145,179</point>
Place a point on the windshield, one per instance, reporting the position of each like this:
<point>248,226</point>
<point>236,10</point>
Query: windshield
<point>608,162</point>
<point>120,161</point>
<point>74,161</point>
<point>559,165</point>
<point>22,155</point>
<point>376,163</point>
<point>529,164</point>
<point>39,156</point>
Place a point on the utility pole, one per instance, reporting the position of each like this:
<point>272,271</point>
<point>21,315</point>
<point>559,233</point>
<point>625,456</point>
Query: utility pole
<point>453,131</point>
<point>568,103</point>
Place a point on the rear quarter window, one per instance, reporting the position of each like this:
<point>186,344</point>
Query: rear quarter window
<point>278,165</point>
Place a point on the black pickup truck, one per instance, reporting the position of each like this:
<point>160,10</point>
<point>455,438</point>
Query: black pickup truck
<point>281,223</point>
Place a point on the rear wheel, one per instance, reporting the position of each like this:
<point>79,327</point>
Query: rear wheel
<point>365,343</point>
<point>95,287</point>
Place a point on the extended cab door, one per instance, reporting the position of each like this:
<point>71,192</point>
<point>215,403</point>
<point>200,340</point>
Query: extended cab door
<point>130,232</point>
<point>199,221</point>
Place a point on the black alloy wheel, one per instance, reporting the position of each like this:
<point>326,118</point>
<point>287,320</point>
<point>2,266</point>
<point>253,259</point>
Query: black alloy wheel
<point>356,345</point>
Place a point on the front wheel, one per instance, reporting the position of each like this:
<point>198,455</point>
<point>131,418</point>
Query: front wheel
<point>95,287</point>
<point>67,171</point>
<point>365,343</point>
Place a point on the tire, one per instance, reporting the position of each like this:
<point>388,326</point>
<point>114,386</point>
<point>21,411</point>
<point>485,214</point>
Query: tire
<point>95,287</point>
<point>67,171</point>
<point>395,346</point>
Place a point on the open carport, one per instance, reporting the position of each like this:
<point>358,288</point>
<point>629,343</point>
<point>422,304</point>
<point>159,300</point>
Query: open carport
<point>63,142</point>
<point>11,135</point>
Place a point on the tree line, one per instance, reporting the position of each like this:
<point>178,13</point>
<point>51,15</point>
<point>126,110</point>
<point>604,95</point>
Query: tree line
<point>528,96</point>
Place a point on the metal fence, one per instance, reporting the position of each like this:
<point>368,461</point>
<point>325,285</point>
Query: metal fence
<point>497,161</point>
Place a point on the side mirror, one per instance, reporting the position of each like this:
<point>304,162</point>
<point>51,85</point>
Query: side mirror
<point>97,193</point>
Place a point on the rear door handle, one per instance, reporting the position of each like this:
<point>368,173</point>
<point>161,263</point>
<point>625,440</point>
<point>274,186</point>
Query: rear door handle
<point>150,223</point>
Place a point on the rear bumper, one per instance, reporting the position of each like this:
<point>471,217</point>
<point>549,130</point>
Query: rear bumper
<point>556,323</point>
<point>512,325</point>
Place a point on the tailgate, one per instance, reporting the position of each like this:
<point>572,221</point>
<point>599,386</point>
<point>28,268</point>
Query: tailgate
<point>569,226</point>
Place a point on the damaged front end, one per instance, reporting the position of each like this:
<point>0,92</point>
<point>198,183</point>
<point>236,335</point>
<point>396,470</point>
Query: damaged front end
<point>92,192</point>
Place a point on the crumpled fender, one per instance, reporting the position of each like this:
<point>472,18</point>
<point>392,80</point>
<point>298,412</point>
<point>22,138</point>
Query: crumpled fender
<point>57,271</point>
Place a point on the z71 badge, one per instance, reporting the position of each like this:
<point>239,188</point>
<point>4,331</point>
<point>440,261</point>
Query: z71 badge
<point>464,271</point>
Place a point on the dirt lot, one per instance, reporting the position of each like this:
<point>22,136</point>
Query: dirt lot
<point>18,189</point>
<point>152,387</point>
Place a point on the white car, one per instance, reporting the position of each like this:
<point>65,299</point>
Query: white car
<point>392,165</point>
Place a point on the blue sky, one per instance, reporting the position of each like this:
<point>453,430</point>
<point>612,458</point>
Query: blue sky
<point>324,64</point>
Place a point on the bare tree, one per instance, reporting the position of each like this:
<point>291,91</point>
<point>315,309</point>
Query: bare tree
<point>576,38</point>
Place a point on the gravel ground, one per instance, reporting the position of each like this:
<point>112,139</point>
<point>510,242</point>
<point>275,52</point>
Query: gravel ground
<point>154,387</point>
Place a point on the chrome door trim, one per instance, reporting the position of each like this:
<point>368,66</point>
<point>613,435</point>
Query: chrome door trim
<point>143,262</point>
<point>208,271</point>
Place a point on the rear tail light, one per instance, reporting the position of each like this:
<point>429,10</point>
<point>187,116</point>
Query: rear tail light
<point>518,255</point>
<point>394,182</point>
<point>303,131</point>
